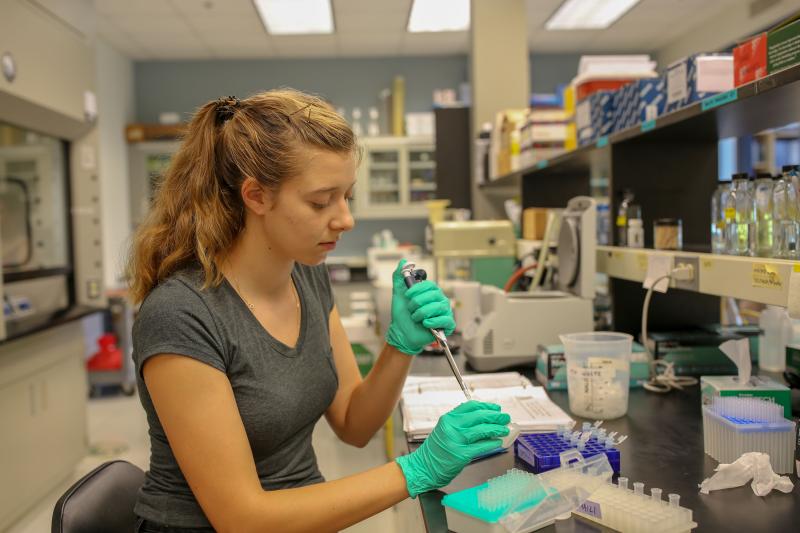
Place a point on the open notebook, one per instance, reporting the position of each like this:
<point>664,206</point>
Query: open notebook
<point>425,399</point>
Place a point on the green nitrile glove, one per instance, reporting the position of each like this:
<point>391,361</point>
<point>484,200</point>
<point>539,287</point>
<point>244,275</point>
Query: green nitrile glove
<point>414,311</point>
<point>471,429</point>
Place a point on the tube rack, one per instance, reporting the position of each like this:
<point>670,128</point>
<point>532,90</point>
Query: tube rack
<point>519,502</point>
<point>734,425</point>
<point>542,450</point>
<point>619,508</point>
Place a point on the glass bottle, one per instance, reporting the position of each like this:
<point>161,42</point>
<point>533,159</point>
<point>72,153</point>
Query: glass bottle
<point>739,215</point>
<point>785,216</point>
<point>622,217</point>
<point>763,214</point>
<point>718,221</point>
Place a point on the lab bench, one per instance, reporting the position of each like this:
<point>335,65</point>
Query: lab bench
<point>664,450</point>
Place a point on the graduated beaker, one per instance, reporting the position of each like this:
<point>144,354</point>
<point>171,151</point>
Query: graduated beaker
<point>598,373</point>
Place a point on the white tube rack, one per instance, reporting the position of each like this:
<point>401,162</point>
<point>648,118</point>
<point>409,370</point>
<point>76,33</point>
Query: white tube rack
<point>631,511</point>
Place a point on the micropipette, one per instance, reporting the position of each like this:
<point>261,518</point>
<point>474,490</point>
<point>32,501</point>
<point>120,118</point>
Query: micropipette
<point>411,277</point>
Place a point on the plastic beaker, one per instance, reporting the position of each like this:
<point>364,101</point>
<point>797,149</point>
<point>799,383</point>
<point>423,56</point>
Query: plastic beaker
<point>598,373</point>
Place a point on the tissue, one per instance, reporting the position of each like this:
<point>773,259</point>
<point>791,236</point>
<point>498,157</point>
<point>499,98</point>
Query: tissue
<point>751,465</point>
<point>739,352</point>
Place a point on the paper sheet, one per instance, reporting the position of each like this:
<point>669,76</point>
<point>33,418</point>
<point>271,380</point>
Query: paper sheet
<point>425,399</point>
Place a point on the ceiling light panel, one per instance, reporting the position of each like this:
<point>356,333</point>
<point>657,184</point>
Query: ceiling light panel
<point>588,14</point>
<point>295,17</point>
<point>439,15</point>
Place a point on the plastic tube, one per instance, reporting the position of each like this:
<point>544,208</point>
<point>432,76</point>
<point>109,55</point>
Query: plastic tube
<point>674,500</point>
<point>655,494</point>
<point>622,483</point>
<point>638,488</point>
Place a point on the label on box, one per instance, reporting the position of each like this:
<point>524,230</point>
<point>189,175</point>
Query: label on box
<point>591,508</point>
<point>649,124</point>
<point>730,214</point>
<point>542,164</point>
<point>677,90</point>
<point>783,47</point>
<point>602,141</point>
<point>766,276</point>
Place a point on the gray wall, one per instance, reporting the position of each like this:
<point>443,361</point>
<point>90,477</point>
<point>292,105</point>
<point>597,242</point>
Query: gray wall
<point>349,82</point>
<point>549,70</point>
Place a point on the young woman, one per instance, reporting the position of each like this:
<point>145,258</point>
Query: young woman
<point>239,347</point>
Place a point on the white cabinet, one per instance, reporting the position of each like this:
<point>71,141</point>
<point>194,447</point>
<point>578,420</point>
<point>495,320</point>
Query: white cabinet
<point>396,176</point>
<point>42,415</point>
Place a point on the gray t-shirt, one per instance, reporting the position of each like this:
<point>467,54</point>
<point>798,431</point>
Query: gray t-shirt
<point>281,392</point>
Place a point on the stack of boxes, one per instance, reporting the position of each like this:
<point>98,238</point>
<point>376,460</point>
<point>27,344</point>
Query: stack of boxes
<point>697,77</point>
<point>543,133</point>
<point>767,53</point>
<point>639,102</point>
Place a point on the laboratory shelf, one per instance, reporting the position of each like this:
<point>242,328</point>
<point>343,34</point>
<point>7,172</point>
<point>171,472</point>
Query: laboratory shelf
<point>742,111</point>
<point>758,279</point>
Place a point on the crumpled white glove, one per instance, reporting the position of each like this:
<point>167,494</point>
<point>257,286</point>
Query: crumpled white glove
<point>751,465</point>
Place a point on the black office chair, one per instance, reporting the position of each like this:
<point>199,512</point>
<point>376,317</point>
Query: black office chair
<point>101,501</point>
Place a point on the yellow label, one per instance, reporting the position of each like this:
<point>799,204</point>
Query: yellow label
<point>730,213</point>
<point>622,220</point>
<point>707,264</point>
<point>796,267</point>
<point>641,259</point>
<point>765,276</point>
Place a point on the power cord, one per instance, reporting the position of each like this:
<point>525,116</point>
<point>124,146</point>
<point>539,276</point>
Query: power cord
<point>666,380</point>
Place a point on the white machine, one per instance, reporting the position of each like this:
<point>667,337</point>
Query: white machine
<point>511,326</point>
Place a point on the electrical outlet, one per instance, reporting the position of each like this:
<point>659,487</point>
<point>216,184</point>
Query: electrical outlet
<point>694,283</point>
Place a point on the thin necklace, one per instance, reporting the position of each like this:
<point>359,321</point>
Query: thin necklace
<point>252,307</point>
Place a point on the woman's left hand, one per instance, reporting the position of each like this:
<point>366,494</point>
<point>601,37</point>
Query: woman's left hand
<point>414,311</point>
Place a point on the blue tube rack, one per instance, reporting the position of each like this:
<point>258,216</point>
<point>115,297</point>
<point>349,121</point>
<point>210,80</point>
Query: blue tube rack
<point>542,451</point>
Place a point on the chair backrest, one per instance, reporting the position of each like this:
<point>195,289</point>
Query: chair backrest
<point>101,501</point>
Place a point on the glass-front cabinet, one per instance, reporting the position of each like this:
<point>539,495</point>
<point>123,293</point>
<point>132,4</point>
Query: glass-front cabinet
<point>397,176</point>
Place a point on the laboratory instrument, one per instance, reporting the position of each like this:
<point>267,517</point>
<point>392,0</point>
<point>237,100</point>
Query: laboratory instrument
<point>511,326</point>
<point>411,276</point>
<point>518,502</point>
<point>598,373</point>
<point>736,425</point>
<point>619,508</point>
<point>542,451</point>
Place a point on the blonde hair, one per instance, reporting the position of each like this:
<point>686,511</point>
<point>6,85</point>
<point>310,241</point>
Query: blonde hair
<point>198,212</point>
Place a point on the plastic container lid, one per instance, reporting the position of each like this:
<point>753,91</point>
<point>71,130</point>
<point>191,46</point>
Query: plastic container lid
<point>740,176</point>
<point>789,168</point>
<point>668,222</point>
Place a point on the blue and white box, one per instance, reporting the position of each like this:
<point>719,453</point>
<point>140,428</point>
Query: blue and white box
<point>639,101</point>
<point>697,77</point>
<point>594,116</point>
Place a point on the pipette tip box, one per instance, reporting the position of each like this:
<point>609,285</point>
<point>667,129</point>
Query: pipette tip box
<point>542,451</point>
<point>733,426</point>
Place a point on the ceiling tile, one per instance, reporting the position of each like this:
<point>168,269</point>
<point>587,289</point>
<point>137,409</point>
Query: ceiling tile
<point>126,7</point>
<point>215,7</point>
<point>244,25</point>
<point>300,45</point>
<point>141,24</point>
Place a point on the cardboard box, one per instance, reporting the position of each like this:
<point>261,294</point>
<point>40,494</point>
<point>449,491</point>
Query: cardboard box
<point>697,77</point>
<point>758,387</point>
<point>153,132</point>
<point>594,116</point>
<point>750,60</point>
<point>534,221</point>
<point>783,46</point>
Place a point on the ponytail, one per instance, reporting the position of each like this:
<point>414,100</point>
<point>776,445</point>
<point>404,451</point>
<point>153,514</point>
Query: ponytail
<point>197,211</point>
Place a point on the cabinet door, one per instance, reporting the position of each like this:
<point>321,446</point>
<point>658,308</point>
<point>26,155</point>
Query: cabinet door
<point>18,407</point>
<point>383,177</point>
<point>421,174</point>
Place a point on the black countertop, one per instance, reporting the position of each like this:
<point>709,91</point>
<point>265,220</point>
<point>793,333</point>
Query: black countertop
<point>24,327</point>
<point>664,449</point>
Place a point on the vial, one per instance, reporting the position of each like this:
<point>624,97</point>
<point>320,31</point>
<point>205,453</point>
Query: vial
<point>622,483</point>
<point>655,494</point>
<point>638,488</point>
<point>674,500</point>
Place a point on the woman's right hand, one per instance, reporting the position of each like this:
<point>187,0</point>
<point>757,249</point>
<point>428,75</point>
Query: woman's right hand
<point>471,429</point>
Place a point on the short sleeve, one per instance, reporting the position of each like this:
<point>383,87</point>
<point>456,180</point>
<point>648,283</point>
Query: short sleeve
<point>174,319</point>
